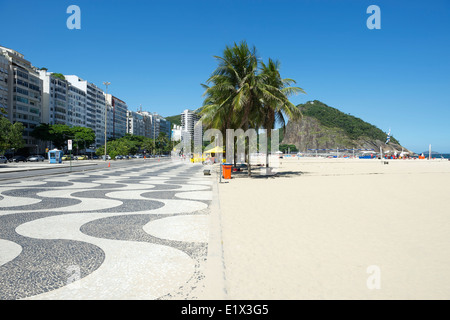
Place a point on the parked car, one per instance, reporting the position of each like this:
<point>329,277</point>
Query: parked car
<point>94,157</point>
<point>82,157</point>
<point>67,157</point>
<point>3,159</point>
<point>119,157</point>
<point>18,159</point>
<point>36,158</point>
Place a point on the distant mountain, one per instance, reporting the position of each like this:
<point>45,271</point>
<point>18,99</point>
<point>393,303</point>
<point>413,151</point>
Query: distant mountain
<point>324,127</point>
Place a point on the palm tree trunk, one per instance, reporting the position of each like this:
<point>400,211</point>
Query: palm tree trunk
<point>269,136</point>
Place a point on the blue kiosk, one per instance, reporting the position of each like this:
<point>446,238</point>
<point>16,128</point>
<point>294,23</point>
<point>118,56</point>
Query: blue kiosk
<point>55,156</point>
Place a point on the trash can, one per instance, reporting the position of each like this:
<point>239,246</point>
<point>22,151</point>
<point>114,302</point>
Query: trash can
<point>226,170</point>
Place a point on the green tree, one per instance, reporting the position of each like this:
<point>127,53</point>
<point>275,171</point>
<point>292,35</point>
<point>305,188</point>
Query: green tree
<point>117,147</point>
<point>162,143</point>
<point>288,147</point>
<point>83,137</point>
<point>148,145</point>
<point>58,134</point>
<point>11,135</point>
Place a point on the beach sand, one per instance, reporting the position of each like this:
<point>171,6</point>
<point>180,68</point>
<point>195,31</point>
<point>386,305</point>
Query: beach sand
<point>338,229</point>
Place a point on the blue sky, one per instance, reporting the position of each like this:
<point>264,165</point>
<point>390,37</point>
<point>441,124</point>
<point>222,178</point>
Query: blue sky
<point>157,53</point>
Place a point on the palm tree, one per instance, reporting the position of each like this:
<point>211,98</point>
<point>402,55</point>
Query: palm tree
<point>233,94</point>
<point>281,109</point>
<point>241,95</point>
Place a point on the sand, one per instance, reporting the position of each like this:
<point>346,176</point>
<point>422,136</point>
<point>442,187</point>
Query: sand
<point>337,229</point>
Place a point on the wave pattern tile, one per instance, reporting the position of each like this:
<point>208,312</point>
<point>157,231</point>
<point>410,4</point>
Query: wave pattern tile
<point>134,233</point>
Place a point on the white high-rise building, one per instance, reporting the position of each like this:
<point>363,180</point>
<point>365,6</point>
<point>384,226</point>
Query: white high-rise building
<point>95,109</point>
<point>189,121</point>
<point>54,98</point>
<point>76,108</point>
<point>135,123</point>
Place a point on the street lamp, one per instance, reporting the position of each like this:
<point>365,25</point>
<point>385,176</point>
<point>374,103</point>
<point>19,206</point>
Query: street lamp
<point>106,111</point>
<point>154,132</point>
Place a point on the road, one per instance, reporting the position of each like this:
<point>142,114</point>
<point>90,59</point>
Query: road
<point>33,169</point>
<point>135,230</point>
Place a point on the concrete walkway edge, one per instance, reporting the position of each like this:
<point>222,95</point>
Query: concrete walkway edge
<point>215,285</point>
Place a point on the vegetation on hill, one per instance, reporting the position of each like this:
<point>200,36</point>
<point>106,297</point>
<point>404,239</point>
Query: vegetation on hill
<point>175,119</point>
<point>354,127</point>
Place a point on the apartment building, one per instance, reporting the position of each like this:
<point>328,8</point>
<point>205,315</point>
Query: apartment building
<point>94,109</point>
<point>135,123</point>
<point>4,92</point>
<point>54,98</point>
<point>76,107</point>
<point>148,124</point>
<point>164,126</point>
<point>119,115</point>
<point>24,94</point>
<point>189,121</point>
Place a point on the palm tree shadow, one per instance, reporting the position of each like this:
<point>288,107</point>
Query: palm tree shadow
<point>260,174</point>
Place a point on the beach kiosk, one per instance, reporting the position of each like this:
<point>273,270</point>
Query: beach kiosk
<point>214,152</point>
<point>55,156</point>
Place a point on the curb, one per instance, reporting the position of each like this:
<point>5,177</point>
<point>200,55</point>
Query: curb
<point>49,168</point>
<point>215,286</point>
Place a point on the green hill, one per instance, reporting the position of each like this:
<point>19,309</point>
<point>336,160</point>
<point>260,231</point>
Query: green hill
<point>324,127</point>
<point>354,127</point>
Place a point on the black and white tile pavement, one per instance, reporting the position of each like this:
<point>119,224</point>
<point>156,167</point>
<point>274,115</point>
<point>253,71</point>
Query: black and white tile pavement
<point>128,233</point>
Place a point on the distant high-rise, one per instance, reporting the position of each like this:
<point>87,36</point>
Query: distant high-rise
<point>119,116</point>
<point>189,121</point>
<point>135,123</point>
<point>153,124</point>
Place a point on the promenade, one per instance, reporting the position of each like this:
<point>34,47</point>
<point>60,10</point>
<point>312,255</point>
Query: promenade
<point>138,231</point>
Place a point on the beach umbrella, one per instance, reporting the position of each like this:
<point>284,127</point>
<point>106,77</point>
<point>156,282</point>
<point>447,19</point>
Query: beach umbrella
<point>216,149</point>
